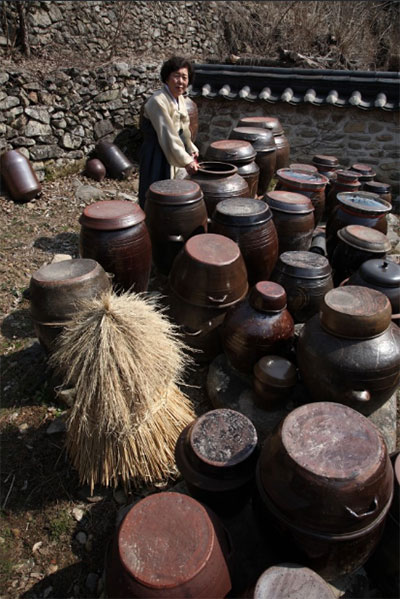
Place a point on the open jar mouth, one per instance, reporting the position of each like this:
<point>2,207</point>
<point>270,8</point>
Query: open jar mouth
<point>217,168</point>
<point>364,202</point>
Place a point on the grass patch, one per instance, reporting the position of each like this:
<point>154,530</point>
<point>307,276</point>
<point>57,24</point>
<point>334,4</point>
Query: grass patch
<point>60,525</point>
<point>52,172</point>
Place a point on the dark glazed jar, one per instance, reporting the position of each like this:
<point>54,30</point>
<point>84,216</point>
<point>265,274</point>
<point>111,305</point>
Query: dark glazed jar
<point>350,352</point>
<point>241,154</point>
<point>306,277</point>
<point>175,210</point>
<point>327,165</point>
<point>258,326</point>
<point>193,113</point>
<point>365,173</point>
<point>115,161</point>
<point>274,379</point>
<point>19,176</point>
<point>263,142</point>
<point>384,276</point>
<point>217,456</point>
<point>342,181</point>
<point>219,181</point>
<point>274,125</point>
<point>383,190</point>
<point>293,215</point>
<point>355,245</point>
<point>360,208</point>
<point>114,233</point>
<point>95,169</point>
<point>249,223</point>
<point>311,185</point>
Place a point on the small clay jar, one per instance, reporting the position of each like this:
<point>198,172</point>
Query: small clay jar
<point>326,164</point>
<point>293,215</point>
<point>258,326</point>
<point>342,181</point>
<point>274,379</point>
<point>274,125</point>
<point>355,245</point>
<point>115,161</point>
<point>383,190</point>
<point>249,223</point>
<point>18,175</point>
<point>306,277</point>
<point>263,142</point>
<point>241,154</point>
<point>384,276</point>
<point>311,185</point>
<point>95,169</point>
<point>114,233</point>
<point>217,456</point>
<point>193,113</point>
<point>365,173</point>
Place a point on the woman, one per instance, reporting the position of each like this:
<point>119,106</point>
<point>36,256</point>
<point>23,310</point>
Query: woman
<point>167,146</point>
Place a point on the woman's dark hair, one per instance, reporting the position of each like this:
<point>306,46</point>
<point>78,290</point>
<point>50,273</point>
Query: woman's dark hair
<point>174,64</point>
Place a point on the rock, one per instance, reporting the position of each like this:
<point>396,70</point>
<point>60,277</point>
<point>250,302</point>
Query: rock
<point>57,426</point>
<point>102,128</point>
<point>81,537</point>
<point>9,102</point>
<point>44,152</point>
<point>107,96</point>
<point>60,258</point>
<point>34,128</point>
<point>39,113</point>
<point>88,193</point>
<point>70,142</point>
<point>3,77</point>
<point>91,581</point>
<point>126,196</point>
<point>78,514</point>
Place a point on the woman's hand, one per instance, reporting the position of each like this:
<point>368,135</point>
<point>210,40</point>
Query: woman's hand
<point>192,167</point>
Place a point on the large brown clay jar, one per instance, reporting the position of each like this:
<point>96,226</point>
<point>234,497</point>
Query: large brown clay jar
<point>241,154</point>
<point>293,215</point>
<point>19,176</point>
<point>274,125</point>
<point>263,142</point>
<point>311,185</point>
<point>342,181</point>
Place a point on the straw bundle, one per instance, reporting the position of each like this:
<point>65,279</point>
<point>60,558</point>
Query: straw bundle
<point>124,359</point>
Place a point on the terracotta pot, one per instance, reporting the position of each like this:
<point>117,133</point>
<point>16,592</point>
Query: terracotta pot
<point>274,125</point>
<point>311,185</point>
<point>249,223</point>
<point>115,161</point>
<point>19,176</point>
<point>168,545</point>
<point>293,215</point>
<point>342,181</point>
<point>114,233</point>
<point>258,326</point>
<point>95,169</point>
<point>216,456</point>
<point>219,181</point>
<point>263,142</point>
<point>382,275</point>
<point>193,113</point>
<point>175,211</point>
<point>291,580</point>
<point>241,154</point>
<point>274,379</point>
<point>306,277</point>
<point>383,190</point>
<point>325,479</point>
<point>350,352</point>
<point>56,290</point>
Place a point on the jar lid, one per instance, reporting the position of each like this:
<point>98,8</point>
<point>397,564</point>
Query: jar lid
<point>325,160</point>
<point>262,140</point>
<point>218,169</point>
<point>267,296</point>
<point>347,176</point>
<point>364,169</point>
<point>242,212</point>
<point>223,438</point>
<point>212,249</point>
<point>364,238</point>
<point>174,192</point>
<point>109,215</point>
<point>382,273</point>
<point>355,312</point>
<point>377,187</point>
<point>276,372</point>
<point>267,122</point>
<point>364,201</point>
<point>236,151</point>
<point>301,179</point>
<point>300,166</point>
<point>288,201</point>
<point>303,264</point>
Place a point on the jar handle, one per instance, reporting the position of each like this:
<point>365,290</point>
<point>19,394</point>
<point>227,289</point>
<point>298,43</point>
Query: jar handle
<point>176,238</point>
<point>360,396</point>
<point>191,333</point>
<point>363,514</point>
<point>216,300</point>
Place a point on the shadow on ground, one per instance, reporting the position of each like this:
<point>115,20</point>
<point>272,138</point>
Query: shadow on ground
<point>63,243</point>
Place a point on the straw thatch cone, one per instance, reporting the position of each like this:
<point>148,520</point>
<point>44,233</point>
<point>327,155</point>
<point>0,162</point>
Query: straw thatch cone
<point>124,359</point>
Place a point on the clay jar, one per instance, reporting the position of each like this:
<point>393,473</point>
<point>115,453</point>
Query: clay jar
<point>258,326</point>
<point>217,456</point>
<point>293,215</point>
<point>360,208</point>
<point>175,210</point>
<point>306,277</point>
<point>55,293</point>
<point>274,379</point>
<point>241,154</point>
<point>383,190</point>
<point>168,546</point>
<point>219,181</point>
<point>19,176</point>
<point>355,245</point>
<point>263,142</point>
<point>274,125</point>
<point>115,161</point>
<point>325,481</point>
<point>311,185</point>
<point>249,223</point>
<point>342,181</point>
<point>114,233</point>
<point>350,352</point>
<point>384,276</point>
<point>95,169</point>
<point>302,167</point>
<point>193,113</point>
<point>365,173</point>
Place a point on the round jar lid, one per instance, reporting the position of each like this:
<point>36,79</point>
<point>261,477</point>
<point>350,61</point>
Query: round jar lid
<point>347,176</point>
<point>325,160</point>
<point>223,438</point>
<point>364,238</point>
<point>262,140</point>
<point>382,273</point>
<point>276,372</point>
<point>75,270</point>
<point>364,201</point>
<point>299,166</point>
<point>165,520</point>
<point>289,201</point>
<point>364,169</point>
<point>242,212</point>
<point>266,122</point>
<point>212,249</point>
<point>236,151</point>
<point>303,264</point>
<point>377,187</point>
<point>219,169</point>
<point>355,312</point>
<point>267,296</point>
<point>291,580</point>
<point>109,215</point>
<point>174,192</point>
<point>301,179</point>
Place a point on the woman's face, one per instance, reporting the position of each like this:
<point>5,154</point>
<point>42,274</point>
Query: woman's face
<point>178,81</point>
